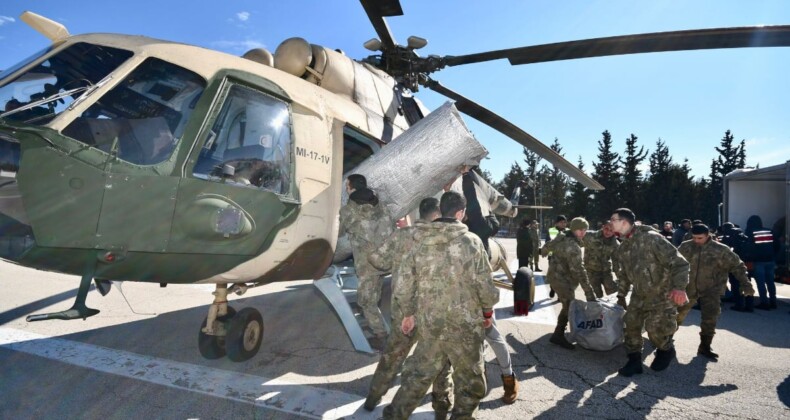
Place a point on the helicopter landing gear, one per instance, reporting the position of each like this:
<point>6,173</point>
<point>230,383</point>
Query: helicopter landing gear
<point>225,332</point>
<point>213,346</point>
<point>245,333</point>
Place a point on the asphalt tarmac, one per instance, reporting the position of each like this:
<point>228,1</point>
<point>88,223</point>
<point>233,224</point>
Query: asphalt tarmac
<point>140,360</point>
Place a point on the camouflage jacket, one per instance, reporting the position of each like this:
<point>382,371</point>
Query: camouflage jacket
<point>367,227</point>
<point>446,282</point>
<point>710,265</point>
<point>391,254</point>
<point>652,265</point>
<point>598,251</point>
<point>566,267</point>
<point>534,236</point>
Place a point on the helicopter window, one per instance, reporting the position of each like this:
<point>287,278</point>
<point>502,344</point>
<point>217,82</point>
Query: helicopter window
<point>356,148</point>
<point>250,142</point>
<point>40,94</point>
<point>141,119</point>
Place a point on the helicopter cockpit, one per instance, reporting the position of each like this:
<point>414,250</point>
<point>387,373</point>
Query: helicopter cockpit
<point>139,121</point>
<point>250,142</point>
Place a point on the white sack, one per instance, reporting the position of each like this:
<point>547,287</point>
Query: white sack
<point>596,325</point>
<point>418,164</point>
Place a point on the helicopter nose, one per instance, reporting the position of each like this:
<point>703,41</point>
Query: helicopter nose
<point>16,234</point>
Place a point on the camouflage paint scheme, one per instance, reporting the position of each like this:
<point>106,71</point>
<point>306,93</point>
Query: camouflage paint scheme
<point>653,266</point>
<point>390,257</point>
<point>710,265</point>
<point>446,284</point>
<point>598,251</point>
<point>367,226</point>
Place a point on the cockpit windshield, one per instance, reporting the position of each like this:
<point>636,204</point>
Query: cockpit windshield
<point>143,117</point>
<point>40,94</point>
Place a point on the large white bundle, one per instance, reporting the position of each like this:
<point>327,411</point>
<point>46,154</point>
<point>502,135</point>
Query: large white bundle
<point>418,164</point>
<point>422,160</point>
<point>597,325</point>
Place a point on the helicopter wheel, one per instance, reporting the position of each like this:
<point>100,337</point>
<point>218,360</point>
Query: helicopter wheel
<point>245,333</point>
<point>213,346</point>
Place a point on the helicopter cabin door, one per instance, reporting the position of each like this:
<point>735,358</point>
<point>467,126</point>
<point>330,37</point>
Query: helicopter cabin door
<point>240,187</point>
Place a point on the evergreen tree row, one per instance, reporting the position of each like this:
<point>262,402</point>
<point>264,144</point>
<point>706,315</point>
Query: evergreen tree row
<point>665,192</point>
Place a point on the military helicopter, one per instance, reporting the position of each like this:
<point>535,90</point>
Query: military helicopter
<point>136,159</point>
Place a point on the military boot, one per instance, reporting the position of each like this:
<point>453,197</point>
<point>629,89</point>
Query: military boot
<point>772,303</point>
<point>441,406</point>
<point>663,359</point>
<point>634,365</point>
<point>558,338</point>
<point>704,347</point>
<point>510,384</point>
<point>371,402</point>
<point>441,414</point>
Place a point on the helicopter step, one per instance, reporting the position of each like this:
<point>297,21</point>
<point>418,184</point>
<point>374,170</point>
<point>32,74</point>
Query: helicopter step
<point>79,309</point>
<point>333,285</point>
<point>227,332</point>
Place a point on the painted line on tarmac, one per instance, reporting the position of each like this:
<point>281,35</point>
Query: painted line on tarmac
<point>274,394</point>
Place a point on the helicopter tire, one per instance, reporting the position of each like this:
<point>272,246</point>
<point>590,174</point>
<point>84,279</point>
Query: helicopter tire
<point>245,334</point>
<point>213,346</point>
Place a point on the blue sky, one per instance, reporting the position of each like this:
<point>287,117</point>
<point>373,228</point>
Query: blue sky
<point>688,99</point>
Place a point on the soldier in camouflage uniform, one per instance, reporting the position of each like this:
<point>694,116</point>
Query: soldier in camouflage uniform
<point>598,250</point>
<point>534,236</point>
<point>390,258</point>
<point>566,273</point>
<point>447,291</point>
<point>659,275</point>
<point>711,261</point>
<point>367,225</point>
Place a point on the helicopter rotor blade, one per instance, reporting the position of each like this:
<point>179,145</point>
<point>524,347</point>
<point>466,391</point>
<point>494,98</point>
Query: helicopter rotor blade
<point>376,10</point>
<point>507,128</point>
<point>700,39</point>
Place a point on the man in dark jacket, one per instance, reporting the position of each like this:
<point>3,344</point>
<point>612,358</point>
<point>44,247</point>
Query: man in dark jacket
<point>736,240</point>
<point>680,232</point>
<point>524,249</point>
<point>761,250</point>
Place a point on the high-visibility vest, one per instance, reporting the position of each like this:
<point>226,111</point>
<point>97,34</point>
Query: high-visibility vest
<point>553,232</point>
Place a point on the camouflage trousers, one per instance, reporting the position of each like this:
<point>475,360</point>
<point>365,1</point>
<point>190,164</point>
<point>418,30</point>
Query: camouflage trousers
<point>710,306</point>
<point>601,278</point>
<point>429,358</point>
<point>368,296</point>
<point>660,322</point>
<point>391,362</point>
<point>536,257</point>
<point>565,295</point>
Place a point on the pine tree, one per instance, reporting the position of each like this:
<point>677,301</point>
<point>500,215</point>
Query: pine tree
<point>607,174</point>
<point>555,185</point>
<point>579,199</point>
<point>658,185</point>
<point>659,159</point>
<point>530,192</point>
<point>630,191</point>
<point>511,180</point>
<point>731,157</point>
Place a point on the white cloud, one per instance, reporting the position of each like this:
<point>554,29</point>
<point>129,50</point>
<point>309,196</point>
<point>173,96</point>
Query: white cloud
<point>6,19</point>
<point>243,16</point>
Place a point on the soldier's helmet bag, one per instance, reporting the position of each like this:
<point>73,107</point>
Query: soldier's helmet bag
<point>597,325</point>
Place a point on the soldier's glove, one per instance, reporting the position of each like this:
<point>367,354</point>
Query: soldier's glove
<point>621,302</point>
<point>591,299</point>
